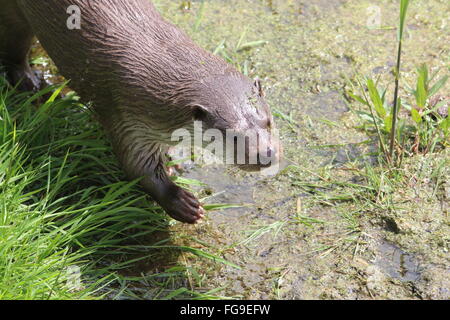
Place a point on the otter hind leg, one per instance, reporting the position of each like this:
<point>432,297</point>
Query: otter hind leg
<point>16,38</point>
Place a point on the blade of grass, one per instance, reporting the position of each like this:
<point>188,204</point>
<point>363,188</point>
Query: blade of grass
<point>403,10</point>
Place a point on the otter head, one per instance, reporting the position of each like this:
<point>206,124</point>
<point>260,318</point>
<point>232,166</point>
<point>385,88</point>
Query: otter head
<point>235,106</point>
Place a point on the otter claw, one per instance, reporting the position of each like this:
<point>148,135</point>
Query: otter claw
<point>170,171</point>
<point>173,170</point>
<point>201,213</point>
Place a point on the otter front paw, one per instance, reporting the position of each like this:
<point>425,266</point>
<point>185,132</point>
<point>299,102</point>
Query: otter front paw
<point>183,206</point>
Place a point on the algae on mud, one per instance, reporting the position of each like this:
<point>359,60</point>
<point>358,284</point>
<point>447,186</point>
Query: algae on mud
<point>325,240</point>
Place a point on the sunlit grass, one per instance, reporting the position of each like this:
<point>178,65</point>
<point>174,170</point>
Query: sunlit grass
<point>69,221</point>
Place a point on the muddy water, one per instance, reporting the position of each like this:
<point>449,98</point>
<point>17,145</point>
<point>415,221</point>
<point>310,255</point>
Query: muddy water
<point>313,48</point>
<point>397,263</point>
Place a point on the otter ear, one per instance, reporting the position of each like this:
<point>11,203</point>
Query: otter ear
<point>259,88</point>
<point>199,112</point>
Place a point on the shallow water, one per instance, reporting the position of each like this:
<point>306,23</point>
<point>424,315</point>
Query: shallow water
<point>397,263</point>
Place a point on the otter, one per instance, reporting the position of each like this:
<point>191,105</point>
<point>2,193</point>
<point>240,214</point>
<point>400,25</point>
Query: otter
<point>145,78</point>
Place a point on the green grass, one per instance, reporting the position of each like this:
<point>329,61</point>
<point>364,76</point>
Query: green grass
<point>69,221</point>
<point>425,128</point>
<point>233,54</point>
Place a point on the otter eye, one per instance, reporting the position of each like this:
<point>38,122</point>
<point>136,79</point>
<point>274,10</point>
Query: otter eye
<point>199,113</point>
